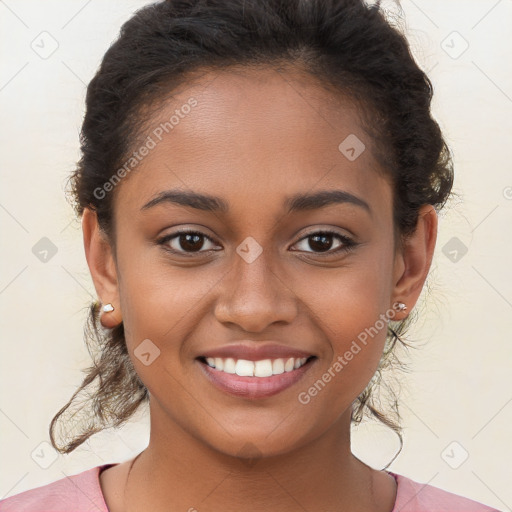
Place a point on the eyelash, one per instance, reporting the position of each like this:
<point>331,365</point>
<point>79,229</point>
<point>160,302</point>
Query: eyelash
<point>348,243</point>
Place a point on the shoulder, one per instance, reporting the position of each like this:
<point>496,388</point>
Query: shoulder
<point>77,493</point>
<point>412,496</point>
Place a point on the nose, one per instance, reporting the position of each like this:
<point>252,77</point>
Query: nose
<point>254,296</point>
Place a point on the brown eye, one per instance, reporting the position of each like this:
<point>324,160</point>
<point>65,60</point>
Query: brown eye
<point>190,241</point>
<point>186,242</point>
<point>322,242</point>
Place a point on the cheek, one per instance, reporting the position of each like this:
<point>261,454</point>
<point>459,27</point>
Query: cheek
<point>167,304</point>
<point>350,312</point>
<point>351,299</point>
<point>155,295</point>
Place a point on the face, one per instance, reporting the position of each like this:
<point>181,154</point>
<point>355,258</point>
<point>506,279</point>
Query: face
<point>263,275</point>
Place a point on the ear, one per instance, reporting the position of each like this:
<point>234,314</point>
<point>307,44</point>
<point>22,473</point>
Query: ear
<point>101,262</point>
<point>413,260</point>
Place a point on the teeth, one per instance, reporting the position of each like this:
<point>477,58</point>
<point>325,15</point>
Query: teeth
<point>278,366</point>
<point>289,365</point>
<point>262,368</point>
<point>229,365</point>
<point>243,368</point>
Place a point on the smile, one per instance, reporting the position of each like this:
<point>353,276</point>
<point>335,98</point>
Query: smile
<point>254,379</point>
<point>261,368</point>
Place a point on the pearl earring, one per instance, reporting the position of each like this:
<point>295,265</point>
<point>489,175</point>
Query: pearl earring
<point>400,306</point>
<point>107,308</point>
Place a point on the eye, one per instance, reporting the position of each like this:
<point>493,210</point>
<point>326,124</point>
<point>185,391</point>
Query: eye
<point>185,242</point>
<point>321,242</point>
<point>189,242</point>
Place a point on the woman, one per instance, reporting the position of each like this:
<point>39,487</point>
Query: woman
<point>259,188</point>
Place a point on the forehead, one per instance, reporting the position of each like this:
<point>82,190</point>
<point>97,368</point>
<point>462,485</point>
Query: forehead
<point>255,133</point>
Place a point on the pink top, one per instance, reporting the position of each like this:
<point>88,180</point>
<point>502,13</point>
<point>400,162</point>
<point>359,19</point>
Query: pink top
<point>82,493</point>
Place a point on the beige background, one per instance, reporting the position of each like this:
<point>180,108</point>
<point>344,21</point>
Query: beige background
<point>460,386</point>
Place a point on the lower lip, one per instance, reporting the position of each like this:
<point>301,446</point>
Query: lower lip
<point>253,387</point>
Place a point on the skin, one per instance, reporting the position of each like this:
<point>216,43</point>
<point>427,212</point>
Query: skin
<point>255,137</point>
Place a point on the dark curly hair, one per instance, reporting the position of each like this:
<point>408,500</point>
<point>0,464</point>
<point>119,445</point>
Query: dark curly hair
<point>349,47</point>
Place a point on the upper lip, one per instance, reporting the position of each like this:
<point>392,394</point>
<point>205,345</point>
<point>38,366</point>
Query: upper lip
<point>256,351</point>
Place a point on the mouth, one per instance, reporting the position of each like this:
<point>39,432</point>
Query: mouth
<point>254,379</point>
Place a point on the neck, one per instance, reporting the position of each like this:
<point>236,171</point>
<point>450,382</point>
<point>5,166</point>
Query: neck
<point>178,472</point>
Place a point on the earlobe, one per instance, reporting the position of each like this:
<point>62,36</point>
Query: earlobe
<point>100,259</point>
<point>413,263</point>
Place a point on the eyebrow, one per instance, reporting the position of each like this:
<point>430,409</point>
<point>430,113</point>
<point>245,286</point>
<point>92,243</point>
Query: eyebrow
<point>296,203</point>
